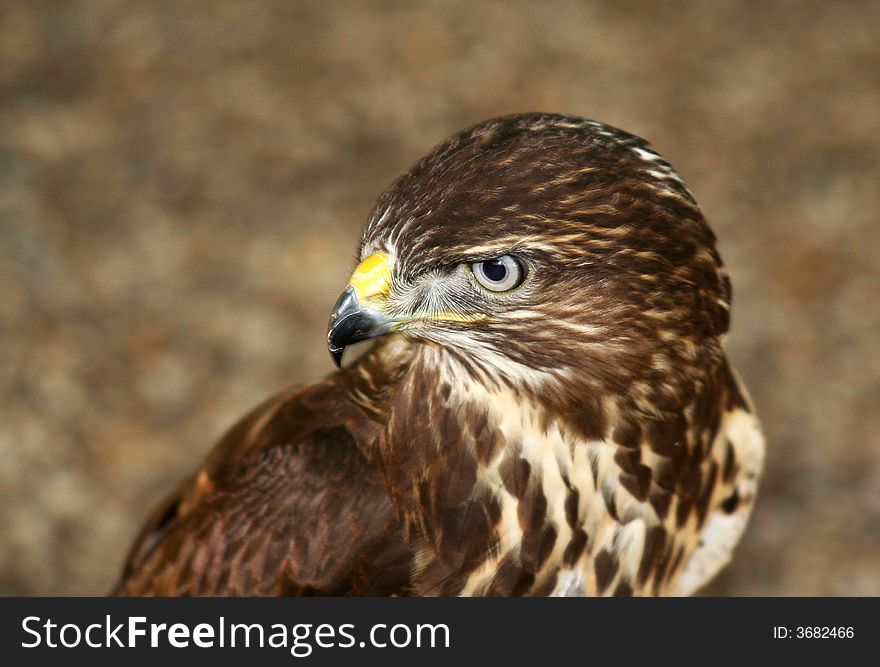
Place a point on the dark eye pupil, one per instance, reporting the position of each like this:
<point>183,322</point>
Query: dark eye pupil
<point>494,270</point>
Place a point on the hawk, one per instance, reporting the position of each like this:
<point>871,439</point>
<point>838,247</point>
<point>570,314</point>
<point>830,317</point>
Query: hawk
<point>547,409</point>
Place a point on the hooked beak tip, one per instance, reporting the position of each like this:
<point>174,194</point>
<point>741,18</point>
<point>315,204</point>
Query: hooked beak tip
<point>353,322</point>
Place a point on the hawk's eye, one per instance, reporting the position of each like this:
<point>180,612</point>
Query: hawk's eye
<point>500,274</point>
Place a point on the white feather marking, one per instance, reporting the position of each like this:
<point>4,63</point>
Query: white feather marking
<point>570,584</point>
<point>646,154</point>
<point>714,550</point>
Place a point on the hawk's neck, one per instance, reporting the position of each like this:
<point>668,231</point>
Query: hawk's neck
<point>512,491</point>
<point>489,483</point>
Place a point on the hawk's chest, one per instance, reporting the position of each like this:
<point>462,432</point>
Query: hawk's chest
<point>558,499</point>
<point>502,496</point>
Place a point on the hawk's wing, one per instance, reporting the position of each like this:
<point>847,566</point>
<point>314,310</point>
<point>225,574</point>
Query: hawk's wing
<point>287,503</point>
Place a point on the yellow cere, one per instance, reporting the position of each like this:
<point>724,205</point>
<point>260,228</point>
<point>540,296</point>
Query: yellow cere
<point>372,278</point>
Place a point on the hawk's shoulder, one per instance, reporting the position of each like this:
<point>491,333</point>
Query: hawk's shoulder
<point>289,501</point>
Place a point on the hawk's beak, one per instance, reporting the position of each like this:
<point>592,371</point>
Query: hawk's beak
<point>358,314</point>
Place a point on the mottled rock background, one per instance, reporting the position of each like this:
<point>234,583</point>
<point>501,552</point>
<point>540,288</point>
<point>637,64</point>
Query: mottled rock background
<point>182,185</point>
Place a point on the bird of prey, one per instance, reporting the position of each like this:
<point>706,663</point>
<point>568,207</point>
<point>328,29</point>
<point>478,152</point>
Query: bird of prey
<point>547,409</point>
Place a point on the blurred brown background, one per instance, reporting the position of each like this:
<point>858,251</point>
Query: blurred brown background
<point>182,186</point>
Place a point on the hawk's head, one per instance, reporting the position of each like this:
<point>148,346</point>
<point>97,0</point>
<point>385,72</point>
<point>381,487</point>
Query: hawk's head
<point>544,249</point>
